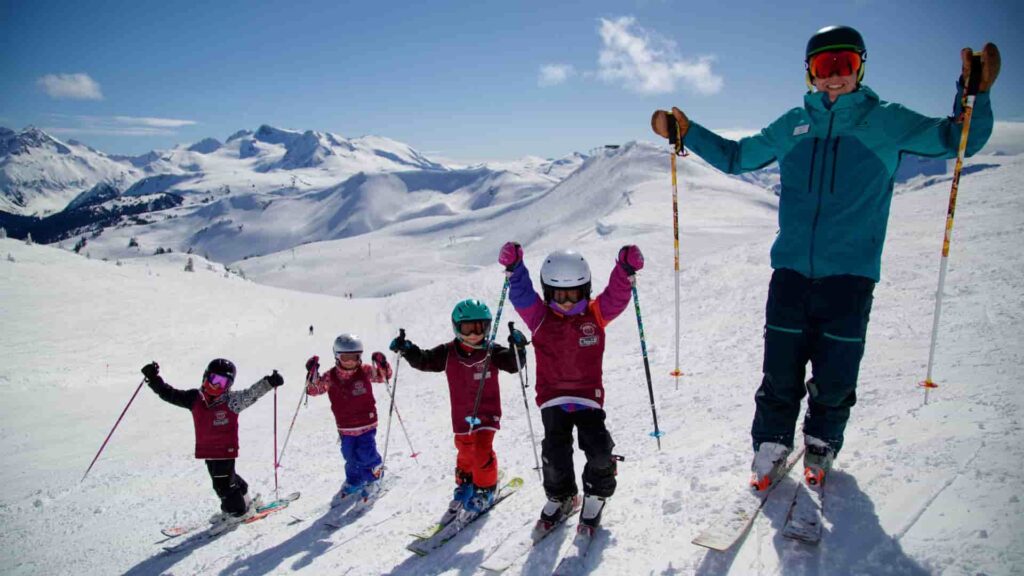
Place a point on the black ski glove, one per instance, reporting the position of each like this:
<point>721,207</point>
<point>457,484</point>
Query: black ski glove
<point>151,371</point>
<point>275,379</point>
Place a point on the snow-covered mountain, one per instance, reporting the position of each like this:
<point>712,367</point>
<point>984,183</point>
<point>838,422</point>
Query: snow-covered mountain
<point>222,193</point>
<point>919,488</point>
<point>40,174</point>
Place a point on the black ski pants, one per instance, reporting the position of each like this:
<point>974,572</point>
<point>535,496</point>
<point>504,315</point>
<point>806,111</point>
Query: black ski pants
<point>556,451</point>
<point>229,486</point>
<point>822,321</point>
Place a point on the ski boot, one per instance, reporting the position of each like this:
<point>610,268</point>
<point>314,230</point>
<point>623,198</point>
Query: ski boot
<point>463,492</point>
<point>345,492</point>
<point>371,490</point>
<point>480,500</point>
<point>818,458</point>
<point>590,514</point>
<point>231,520</point>
<point>768,461</point>
<point>554,513</point>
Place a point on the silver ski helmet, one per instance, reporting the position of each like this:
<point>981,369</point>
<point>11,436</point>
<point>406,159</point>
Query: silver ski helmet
<point>218,377</point>
<point>347,344</point>
<point>565,269</point>
<point>474,314</point>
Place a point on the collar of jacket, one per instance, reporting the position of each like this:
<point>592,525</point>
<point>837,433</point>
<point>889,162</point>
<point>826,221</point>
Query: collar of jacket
<point>814,102</point>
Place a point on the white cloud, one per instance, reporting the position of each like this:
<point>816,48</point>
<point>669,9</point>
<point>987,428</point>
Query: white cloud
<point>117,125</point>
<point>72,86</point>
<point>153,122</point>
<point>554,74</point>
<point>632,58</point>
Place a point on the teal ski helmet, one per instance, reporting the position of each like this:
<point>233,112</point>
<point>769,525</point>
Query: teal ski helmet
<point>470,310</point>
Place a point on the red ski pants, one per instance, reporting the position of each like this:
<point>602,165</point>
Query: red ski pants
<point>476,458</point>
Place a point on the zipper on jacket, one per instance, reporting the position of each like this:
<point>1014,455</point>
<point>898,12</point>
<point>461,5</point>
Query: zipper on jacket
<point>821,184</point>
<point>835,160</point>
<point>810,174</point>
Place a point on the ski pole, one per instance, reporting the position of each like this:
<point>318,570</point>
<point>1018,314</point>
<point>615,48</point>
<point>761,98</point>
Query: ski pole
<point>677,145</point>
<point>394,409</point>
<point>970,91</point>
<point>401,424</point>
<point>284,447</point>
<point>104,445</point>
<point>647,365</point>
<point>277,494</point>
<point>474,419</point>
<point>520,369</point>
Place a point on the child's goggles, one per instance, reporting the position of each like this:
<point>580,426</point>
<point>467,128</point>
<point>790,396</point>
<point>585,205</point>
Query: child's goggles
<point>217,383</point>
<point>834,62</point>
<point>567,295</point>
<point>348,356</point>
<point>470,327</point>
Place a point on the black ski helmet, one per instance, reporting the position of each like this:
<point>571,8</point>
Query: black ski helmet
<point>222,367</point>
<point>836,38</point>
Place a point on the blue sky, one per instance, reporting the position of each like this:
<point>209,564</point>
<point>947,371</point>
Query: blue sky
<point>463,80</point>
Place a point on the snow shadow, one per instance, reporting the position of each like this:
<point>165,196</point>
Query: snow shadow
<point>307,545</point>
<point>854,541</point>
<point>164,560</point>
<point>447,559</point>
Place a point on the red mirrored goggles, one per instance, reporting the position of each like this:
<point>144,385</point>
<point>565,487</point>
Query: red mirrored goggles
<point>834,62</point>
<point>470,327</point>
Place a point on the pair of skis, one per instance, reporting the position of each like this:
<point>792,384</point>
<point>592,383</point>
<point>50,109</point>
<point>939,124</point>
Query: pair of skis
<point>510,550</point>
<point>215,530</point>
<point>803,522</point>
<point>440,534</point>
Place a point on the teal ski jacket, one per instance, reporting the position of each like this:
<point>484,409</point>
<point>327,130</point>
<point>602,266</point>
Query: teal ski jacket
<point>837,166</point>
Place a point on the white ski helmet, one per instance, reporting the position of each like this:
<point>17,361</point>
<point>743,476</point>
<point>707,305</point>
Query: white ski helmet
<point>347,344</point>
<point>565,269</point>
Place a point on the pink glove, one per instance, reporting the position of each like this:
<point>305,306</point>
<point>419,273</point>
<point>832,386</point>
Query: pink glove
<point>313,363</point>
<point>380,361</point>
<point>511,255</point>
<point>631,259</point>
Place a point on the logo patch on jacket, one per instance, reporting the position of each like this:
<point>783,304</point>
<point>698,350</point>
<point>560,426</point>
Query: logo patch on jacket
<point>802,129</point>
<point>220,418</point>
<point>590,338</point>
<point>358,388</point>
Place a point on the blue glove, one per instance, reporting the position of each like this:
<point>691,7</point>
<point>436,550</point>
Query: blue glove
<point>517,339</point>
<point>400,345</point>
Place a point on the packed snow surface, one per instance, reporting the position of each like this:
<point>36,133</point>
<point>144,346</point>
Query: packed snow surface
<point>919,489</point>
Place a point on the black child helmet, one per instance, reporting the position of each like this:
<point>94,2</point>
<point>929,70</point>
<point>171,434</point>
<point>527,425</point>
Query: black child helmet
<point>219,376</point>
<point>836,38</point>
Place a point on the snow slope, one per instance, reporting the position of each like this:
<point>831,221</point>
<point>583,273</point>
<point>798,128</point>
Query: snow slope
<point>919,489</point>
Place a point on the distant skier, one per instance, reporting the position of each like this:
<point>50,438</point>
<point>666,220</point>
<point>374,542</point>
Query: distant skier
<point>310,329</point>
<point>462,360</point>
<point>348,386</point>
<point>837,157</point>
<point>215,409</point>
<point>569,341</point>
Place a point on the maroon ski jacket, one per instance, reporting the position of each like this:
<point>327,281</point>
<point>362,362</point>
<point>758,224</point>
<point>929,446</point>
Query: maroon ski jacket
<point>463,366</point>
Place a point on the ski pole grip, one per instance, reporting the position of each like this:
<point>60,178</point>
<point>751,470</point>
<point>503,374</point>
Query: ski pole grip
<point>974,82</point>
<point>673,129</point>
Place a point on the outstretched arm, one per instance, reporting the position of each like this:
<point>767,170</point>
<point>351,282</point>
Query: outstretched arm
<point>182,398</point>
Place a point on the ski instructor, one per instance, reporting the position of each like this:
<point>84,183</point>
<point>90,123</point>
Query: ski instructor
<point>837,155</point>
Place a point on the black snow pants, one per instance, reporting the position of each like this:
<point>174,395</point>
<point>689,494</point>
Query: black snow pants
<point>556,452</point>
<point>229,486</point>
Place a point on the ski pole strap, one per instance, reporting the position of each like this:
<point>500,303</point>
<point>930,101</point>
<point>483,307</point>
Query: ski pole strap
<point>974,79</point>
<point>674,136</point>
